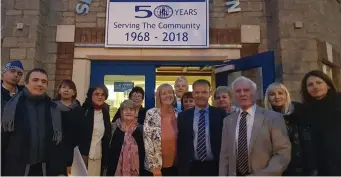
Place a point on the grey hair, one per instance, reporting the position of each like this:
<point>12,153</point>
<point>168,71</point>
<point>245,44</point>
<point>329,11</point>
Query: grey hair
<point>126,104</point>
<point>242,78</point>
<point>222,89</point>
<point>181,78</point>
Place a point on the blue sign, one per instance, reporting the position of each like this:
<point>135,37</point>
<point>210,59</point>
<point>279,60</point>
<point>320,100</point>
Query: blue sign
<point>123,86</point>
<point>157,24</point>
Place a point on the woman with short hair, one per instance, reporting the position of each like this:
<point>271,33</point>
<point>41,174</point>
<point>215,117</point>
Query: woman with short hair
<point>188,101</point>
<point>96,130</point>
<point>223,99</point>
<point>72,114</point>
<point>126,149</point>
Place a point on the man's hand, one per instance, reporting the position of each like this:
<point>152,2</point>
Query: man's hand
<point>68,171</point>
<point>157,172</point>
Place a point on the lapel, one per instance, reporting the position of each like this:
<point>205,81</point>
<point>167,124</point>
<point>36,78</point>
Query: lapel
<point>257,124</point>
<point>211,123</point>
<point>232,122</point>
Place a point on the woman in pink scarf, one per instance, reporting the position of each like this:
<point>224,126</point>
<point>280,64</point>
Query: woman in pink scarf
<point>126,150</point>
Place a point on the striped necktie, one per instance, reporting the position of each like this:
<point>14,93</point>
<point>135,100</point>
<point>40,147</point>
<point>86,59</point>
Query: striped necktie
<point>242,158</point>
<point>201,145</point>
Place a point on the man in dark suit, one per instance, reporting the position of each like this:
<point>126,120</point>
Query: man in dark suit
<point>199,135</point>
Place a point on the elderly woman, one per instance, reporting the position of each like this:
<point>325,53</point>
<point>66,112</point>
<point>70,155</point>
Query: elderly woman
<point>126,149</point>
<point>137,96</point>
<point>72,114</point>
<point>96,130</point>
<point>181,86</point>
<point>277,98</point>
<point>160,134</point>
<point>188,101</point>
<point>323,104</point>
<point>222,99</point>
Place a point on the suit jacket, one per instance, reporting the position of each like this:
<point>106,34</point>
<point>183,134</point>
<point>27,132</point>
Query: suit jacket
<point>186,137</point>
<point>270,148</point>
<point>152,139</point>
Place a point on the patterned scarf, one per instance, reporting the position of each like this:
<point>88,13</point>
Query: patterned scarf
<point>128,163</point>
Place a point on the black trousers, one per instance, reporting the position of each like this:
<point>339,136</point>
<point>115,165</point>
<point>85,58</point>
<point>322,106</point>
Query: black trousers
<point>169,171</point>
<point>36,170</point>
<point>205,168</point>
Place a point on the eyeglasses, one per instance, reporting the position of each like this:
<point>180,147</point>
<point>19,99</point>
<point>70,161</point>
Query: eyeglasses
<point>99,94</point>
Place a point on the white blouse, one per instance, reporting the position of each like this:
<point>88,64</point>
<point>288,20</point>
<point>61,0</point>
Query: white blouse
<point>95,152</point>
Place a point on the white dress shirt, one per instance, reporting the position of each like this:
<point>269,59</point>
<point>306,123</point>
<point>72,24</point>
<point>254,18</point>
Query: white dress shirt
<point>249,122</point>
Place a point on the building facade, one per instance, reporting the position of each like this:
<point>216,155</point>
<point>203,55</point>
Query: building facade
<point>303,34</point>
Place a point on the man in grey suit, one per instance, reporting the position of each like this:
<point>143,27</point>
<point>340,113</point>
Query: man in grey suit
<point>254,140</point>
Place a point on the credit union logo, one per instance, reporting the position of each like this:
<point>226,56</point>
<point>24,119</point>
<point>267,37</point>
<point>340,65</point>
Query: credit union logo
<point>163,11</point>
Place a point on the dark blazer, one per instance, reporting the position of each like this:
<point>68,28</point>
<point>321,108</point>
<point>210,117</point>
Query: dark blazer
<point>115,147</point>
<point>87,128</point>
<point>186,136</point>
<point>141,115</point>
<point>71,122</point>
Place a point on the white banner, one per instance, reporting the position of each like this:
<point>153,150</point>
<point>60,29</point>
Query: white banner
<point>157,23</point>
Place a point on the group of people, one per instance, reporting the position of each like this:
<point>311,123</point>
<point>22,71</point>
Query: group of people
<point>182,136</point>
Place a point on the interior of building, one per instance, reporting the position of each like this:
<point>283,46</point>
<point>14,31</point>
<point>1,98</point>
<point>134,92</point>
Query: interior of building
<point>164,74</point>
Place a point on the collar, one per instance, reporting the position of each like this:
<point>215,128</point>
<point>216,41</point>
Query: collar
<point>251,110</point>
<point>178,99</point>
<point>196,109</point>
<point>15,91</point>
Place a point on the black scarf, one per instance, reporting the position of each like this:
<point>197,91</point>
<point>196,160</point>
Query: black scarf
<point>8,117</point>
<point>64,107</point>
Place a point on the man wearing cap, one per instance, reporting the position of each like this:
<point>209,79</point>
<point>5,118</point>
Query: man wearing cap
<point>11,75</point>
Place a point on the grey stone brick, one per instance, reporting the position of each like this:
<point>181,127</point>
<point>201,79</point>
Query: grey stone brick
<point>69,14</point>
<point>31,53</point>
<point>10,42</point>
<point>14,12</point>
<point>31,20</point>
<point>31,12</point>
<point>68,21</point>
<point>52,47</point>
<point>18,53</point>
<point>101,14</point>
<point>51,58</point>
<point>88,18</point>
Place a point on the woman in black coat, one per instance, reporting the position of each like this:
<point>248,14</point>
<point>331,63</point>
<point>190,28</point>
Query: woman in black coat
<point>72,114</point>
<point>277,98</point>
<point>126,150</point>
<point>95,130</point>
<point>323,110</point>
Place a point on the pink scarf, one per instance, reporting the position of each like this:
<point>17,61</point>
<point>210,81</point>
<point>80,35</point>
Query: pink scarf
<point>128,163</point>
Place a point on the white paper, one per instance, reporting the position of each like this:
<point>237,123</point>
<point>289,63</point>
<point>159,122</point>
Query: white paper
<point>78,165</point>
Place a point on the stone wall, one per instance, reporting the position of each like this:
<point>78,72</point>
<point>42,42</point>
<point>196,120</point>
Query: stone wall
<point>303,23</point>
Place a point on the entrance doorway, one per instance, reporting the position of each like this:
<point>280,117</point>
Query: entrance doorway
<point>120,77</point>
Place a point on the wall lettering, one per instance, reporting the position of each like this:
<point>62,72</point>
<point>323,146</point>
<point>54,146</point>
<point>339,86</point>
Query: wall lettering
<point>233,6</point>
<point>83,6</point>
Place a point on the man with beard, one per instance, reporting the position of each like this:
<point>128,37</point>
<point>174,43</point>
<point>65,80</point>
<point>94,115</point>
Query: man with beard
<point>31,131</point>
<point>11,75</point>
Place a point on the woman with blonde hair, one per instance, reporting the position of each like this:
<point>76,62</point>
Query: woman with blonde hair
<point>223,99</point>
<point>277,98</point>
<point>160,134</point>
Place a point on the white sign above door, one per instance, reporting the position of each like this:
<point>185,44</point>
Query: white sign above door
<point>157,24</point>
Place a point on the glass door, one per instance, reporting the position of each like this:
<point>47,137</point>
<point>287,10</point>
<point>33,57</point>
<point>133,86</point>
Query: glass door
<point>120,78</point>
<point>261,65</point>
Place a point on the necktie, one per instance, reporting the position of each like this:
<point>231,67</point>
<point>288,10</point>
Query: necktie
<point>201,146</point>
<point>242,159</point>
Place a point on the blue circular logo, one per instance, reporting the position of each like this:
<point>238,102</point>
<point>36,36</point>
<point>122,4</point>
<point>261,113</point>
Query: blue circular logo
<point>163,12</point>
